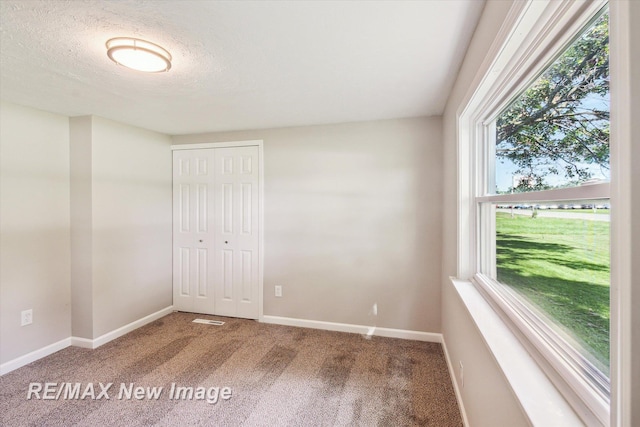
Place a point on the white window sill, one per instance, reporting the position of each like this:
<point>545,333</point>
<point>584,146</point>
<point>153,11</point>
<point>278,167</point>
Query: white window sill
<point>541,402</point>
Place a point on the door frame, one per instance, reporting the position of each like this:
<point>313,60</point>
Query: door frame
<point>251,143</point>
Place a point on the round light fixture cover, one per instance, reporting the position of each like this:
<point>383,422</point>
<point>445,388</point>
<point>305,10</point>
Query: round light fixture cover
<point>138,54</point>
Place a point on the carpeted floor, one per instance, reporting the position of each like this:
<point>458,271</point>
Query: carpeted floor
<point>278,376</point>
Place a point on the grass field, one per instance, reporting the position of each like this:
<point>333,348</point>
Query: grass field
<point>562,267</point>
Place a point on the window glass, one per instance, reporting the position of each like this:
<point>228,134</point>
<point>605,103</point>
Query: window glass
<point>556,256</point>
<point>556,133</point>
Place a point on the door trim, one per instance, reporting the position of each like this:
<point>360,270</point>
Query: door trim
<point>252,143</point>
<point>204,145</point>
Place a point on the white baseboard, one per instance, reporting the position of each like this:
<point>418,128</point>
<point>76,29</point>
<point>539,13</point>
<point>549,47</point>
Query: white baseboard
<point>110,336</point>
<point>355,329</point>
<point>33,356</point>
<point>457,390</point>
<point>81,342</point>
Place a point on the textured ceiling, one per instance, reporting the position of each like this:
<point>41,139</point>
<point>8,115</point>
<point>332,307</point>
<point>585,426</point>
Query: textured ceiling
<point>237,65</point>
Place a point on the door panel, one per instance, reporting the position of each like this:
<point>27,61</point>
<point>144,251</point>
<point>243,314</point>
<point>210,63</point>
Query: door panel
<point>202,196</point>
<point>246,278</point>
<point>246,210</point>
<point>183,209</point>
<point>236,231</point>
<point>193,231</point>
<point>184,166</point>
<point>183,272</point>
<point>227,209</point>
<point>202,269</point>
<point>216,268</point>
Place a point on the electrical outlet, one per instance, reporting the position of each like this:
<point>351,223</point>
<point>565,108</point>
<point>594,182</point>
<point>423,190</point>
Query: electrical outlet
<point>26,317</point>
<point>278,290</point>
<point>461,375</point>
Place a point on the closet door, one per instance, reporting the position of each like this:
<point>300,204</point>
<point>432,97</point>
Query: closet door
<point>216,231</point>
<point>236,232</point>
<point>193,231</point>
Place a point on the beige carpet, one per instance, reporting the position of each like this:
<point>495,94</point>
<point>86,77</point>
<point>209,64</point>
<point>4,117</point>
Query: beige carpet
<point>278,376</point>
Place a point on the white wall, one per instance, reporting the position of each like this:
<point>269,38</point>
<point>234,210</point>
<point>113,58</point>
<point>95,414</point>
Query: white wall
<point>352,219</point>
<point>131,224</point>
<point>121,224</point>
<point>487,397</point>
<point>80,136</point>
<point>34,229</point>
<point>85,227</point>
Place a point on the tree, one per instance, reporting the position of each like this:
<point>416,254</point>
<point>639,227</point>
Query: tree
<point>560,124</point>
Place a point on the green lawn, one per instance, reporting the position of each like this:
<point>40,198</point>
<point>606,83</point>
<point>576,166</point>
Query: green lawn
<point>562,267</point>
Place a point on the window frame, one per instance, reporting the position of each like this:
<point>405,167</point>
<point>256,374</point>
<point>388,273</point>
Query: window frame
<point>534,33</point>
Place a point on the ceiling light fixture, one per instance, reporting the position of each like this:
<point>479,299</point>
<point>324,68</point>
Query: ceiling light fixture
<point>138,54</point>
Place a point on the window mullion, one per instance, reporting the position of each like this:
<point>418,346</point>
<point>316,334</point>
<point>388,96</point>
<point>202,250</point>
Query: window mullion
<point>582,192</point>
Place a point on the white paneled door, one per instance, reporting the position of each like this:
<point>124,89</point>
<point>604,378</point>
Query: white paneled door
<point>216,224</point>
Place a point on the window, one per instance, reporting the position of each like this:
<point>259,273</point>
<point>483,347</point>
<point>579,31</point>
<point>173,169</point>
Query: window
<point>537,202</point>
<point>554,253</point>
